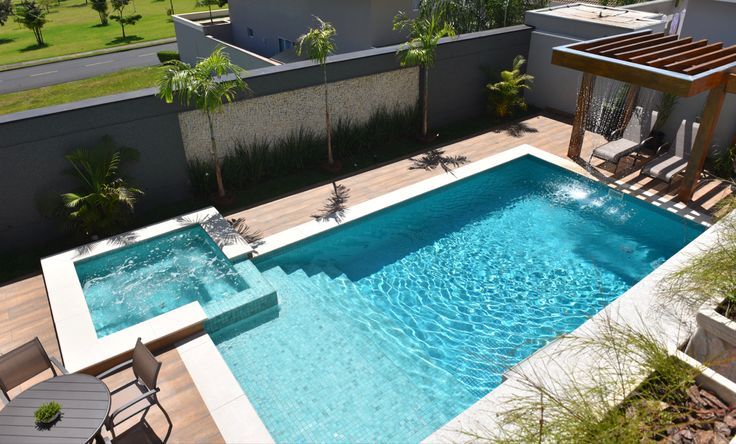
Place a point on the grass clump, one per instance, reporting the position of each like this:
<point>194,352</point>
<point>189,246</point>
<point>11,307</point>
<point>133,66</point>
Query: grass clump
<point>710,274</point>
<point>46,412</point>
<point>636,393</point>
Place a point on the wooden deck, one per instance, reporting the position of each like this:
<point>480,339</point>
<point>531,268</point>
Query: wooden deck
<point>24,310</point>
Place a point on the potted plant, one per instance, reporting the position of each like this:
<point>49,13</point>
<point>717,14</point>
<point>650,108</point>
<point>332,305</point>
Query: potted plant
<point>47,413</point>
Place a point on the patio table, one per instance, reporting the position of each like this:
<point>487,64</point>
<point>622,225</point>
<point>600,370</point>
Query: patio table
<point>85,403</point>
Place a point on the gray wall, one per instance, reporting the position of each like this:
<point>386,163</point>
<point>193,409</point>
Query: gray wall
<point>197,41</point>
<point>360,24</point>
<point>33,143</point>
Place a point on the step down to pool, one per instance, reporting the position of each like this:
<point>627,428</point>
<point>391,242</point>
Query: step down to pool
<point>257,298</point>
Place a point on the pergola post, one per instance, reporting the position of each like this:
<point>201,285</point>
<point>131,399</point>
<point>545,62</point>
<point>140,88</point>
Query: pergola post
<point>708,122</point>
<point>581,111</point>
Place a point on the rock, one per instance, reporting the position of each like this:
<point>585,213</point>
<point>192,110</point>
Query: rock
<point>713,400</point>
<point>705,437</point>
<point>722,429</point>
<point>694,393</point>
<point>730,419</point>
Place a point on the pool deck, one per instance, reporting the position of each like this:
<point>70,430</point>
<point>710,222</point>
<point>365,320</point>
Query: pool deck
<point>24,309</point>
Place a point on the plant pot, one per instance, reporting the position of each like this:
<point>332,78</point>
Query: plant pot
<point>50,422</point>
<point>714,340</point>
<point>332,168</point>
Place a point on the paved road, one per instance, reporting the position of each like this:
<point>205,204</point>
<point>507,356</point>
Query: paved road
<point>69,70</point>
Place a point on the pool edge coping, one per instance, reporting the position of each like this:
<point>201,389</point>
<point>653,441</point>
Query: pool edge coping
<point>312,228</point>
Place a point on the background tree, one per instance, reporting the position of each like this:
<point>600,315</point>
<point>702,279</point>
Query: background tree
<point>118,6</point>
<point>31,15</point>
<point>202,86</point>
<point>209,4</point>
<point>479,15</point>
<point>506,96</point>
<point>318,44</point>
<point>104,201</point>
<point>6,9</point>
<point>425,33</point>
<point>101,7</point>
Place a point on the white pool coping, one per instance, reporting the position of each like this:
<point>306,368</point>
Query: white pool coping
<point>80,347</point>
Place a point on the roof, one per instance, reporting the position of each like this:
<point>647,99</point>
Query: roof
<point>678,65</point>
<point>604,15</point>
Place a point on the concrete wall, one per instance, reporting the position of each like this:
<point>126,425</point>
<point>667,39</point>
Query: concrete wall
<point>360,24</point>
<point>33,143</point>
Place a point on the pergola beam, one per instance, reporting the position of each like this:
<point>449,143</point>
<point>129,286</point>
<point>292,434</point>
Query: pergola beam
<point>666,49</point>
<point>731,84</point>
<point>661,62</point>
<point>703,139</point>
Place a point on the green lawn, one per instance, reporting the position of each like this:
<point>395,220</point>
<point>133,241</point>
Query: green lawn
<point>117,82</point>
<point>74,27</point>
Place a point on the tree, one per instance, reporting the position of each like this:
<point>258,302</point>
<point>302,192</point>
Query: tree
<point>104,201</point>
<point>425,33</point>
<point>6,10</point>
<point>318,44</point>
<point>31,15</point>
<point>505,96</point>
<point>101,7</point>
<point>202,86</point>
<point>209,4</point>
<point>479,15</point>
<point>124,20</point>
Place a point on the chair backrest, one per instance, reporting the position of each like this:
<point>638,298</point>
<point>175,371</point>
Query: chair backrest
<point>640,125</point>
<point>145,365</point>
<point>21,364</point>
<point>682,144</point>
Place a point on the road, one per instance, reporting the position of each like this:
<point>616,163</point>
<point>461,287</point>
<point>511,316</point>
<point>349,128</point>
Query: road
<point>69,70</point>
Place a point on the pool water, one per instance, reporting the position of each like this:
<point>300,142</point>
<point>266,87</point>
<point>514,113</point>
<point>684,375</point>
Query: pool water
<point>390,326</point>
<point>149,278</point>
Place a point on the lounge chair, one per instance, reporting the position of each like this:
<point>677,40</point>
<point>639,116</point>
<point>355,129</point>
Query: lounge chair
<point>23,363</point>
<point>666,166</point>
<point>140,394</point>
<point>628,140</point>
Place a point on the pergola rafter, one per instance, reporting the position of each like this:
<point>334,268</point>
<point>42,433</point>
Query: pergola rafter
<point>677,65</point>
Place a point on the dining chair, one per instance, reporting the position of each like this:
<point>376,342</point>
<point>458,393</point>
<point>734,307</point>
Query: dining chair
<point>139,394</point>
<point>23,363</point>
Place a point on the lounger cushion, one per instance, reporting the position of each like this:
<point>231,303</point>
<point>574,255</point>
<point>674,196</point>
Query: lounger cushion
<point>665,167</point>
<point>613,151</point>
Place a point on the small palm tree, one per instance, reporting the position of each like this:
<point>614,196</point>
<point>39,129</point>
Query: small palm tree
<point>505,96</point>
<point>104,201</point>
<point>318,44</point>
<point>202,85</point>
<point>425,33</point>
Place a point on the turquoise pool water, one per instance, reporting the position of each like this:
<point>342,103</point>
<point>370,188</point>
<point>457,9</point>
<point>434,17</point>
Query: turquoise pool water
<point>149,278</point>
<point>392,325</point>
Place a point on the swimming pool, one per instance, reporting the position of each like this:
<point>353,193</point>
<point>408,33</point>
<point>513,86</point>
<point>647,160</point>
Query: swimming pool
<point>138,282</point>
<point>390,326</point>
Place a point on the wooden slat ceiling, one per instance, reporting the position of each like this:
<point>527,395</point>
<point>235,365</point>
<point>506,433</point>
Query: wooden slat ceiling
<point>652,59</point>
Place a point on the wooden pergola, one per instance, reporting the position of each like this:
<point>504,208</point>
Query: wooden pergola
<point>677,65</point>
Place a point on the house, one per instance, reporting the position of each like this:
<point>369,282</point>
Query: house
<point>258,29</point>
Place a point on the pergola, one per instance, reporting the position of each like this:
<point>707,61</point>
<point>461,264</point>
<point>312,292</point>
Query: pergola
<point>681,66</point>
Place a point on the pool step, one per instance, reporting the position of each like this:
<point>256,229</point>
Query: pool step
<point>257,298</point>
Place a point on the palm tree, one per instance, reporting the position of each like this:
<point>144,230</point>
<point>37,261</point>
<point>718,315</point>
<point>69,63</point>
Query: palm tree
<point>104,201</point>
<point>425,33</point>
<point>506,95</point>
<point>203,86</point>
<point>318,44</point>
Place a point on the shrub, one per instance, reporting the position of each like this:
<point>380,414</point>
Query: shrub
<point>505,97</point>
<point>46,412</point>
<point>165,56</point>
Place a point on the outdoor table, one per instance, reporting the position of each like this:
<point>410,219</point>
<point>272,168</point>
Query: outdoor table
<point>85,403</point>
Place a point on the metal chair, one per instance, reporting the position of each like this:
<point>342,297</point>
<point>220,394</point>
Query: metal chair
<point>672,158</point>
<point>629,140</point>
<point>23,363</point>
<point>145,388</point>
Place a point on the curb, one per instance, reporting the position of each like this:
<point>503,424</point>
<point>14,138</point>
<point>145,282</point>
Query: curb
<point>82,55</point>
